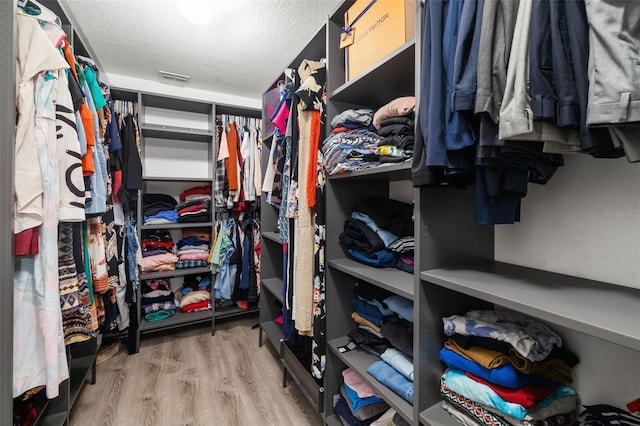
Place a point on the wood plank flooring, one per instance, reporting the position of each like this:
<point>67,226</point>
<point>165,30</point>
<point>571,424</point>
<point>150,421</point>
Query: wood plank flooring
<point>188,377</point>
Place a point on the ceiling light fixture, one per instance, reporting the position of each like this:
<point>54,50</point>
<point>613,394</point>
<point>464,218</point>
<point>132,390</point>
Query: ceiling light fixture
<point>198,12</point>
<point>174,76</point>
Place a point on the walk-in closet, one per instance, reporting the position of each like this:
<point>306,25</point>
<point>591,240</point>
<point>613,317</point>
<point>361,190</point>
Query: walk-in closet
<point>335,212</point>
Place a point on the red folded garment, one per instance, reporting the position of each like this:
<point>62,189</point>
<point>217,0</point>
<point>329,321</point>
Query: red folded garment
<point>197,305</point>
<point>529,396</point>
<point>206,190</point>
<point>157,244</point>
<point>192,209</point>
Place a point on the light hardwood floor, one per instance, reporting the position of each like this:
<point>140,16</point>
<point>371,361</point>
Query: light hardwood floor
<point>188,377</point>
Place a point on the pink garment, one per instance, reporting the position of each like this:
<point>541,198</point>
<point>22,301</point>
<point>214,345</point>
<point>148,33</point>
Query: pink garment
<point>153,263</point>
<point>223,151</point>
<point>280,120</point>
<point>165,267</point>
<point>354,381</point>
<point>195,256</point>
<point>396,108</point>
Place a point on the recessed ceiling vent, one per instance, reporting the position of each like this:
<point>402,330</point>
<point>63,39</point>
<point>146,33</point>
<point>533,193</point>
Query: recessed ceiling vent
<point>173,76</point>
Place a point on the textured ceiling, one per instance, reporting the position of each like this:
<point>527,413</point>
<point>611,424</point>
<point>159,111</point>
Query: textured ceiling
<point>241,51</point>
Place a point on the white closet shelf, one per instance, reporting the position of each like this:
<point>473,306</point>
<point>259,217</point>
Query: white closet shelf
<point>437,416</point>
<point>177,320</point>
<point>381,82</point>
<point>273,286</point>
<point>177,133</point>
<point>359,361</point>
<point>394,280</point>
<point>272,236</point>
<point>599,309</point>
<point>178,225</point>
<point>175,273</point>
<point>389,172</point>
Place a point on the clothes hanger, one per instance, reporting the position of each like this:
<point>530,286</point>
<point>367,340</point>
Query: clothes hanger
<point>87,62</point>
<point>46,15</point>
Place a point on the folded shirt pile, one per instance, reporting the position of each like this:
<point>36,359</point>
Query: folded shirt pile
<point>380,233</point>
<point>361,139</point>
<point>358,404</point>
<point>396,124</point>
<point>157,251</point>
<point>385,323</point>
<point>157,299</point>
<point>195,294</point>
<point>193,250</point>
<point>159,208</point>
<point>508,368</point>
<point>194,205</point>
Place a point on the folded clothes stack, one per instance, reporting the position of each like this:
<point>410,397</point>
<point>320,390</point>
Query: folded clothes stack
<point>193,250</point>
<point>385,323</point>
<point>195,294</point>
<point>380,233</point>
<point>194,205</point>
<point>159,208</point>
<point>358,404</point>
<point>157,251</point>
<point>362,140</point>
<point>395,123</point>
<point>506,367</point>
<point>157,299</point>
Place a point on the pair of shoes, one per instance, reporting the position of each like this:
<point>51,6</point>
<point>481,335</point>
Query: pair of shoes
<point>222,304</point>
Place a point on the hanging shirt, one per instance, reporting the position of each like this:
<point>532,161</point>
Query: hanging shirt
<point>35,54</point>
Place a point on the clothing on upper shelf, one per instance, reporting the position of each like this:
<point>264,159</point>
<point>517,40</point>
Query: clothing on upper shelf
<point>504,92</point>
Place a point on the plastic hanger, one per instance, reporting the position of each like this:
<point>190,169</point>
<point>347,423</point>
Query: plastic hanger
<point>46,15</point>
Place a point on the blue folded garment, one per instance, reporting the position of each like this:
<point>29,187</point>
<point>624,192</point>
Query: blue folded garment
<point>395,381</point>
<point>370,311</point>
<point>341,408</point>
<point>170,215</point>
<point>357,402</point>
<point>399,361</point>
<point>460,383</point>
<point>506,375</point>
<point>401,306</point>
<point>379,259</point>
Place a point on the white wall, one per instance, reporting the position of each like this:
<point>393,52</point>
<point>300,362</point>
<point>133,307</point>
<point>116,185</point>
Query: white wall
<point>584,222</point>
<point>180,90</point>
